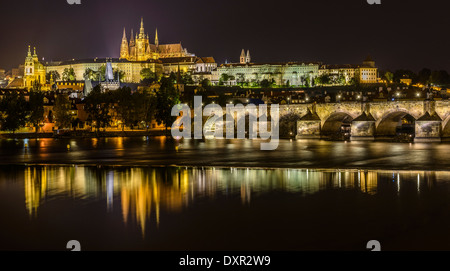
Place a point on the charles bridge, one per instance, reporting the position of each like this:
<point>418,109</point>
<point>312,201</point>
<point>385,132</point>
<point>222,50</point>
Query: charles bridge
<point>425,120</point>
<point>371,120</point>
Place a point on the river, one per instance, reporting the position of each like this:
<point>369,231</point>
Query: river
<point>159,194</point>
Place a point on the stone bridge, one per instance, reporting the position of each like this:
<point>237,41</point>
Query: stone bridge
<point>426,121</point>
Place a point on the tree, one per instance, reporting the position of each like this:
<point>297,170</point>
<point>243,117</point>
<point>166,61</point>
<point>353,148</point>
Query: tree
<point>205,83</point>
<point>224,78</point>
<point>101,73</point>
<point>265,83</point>
<point>126,107</point>
<point>389,77</point>
<point>120,74</point>
<point>69,75</point>
<point>56,76</point>
<point>186,78</point>
<point>323,79</point>
<point>148,108</point>
<point>14,112</point>
<point>98,106</point>
<point>340,79</point>
<point>147,73</point>
<point>424,76</point>
<point>440,78</point>
<point>36,108</point>
<point>62,111</point>
<point>166,98</point>
<point>400,74</point>
<point>90,74</point>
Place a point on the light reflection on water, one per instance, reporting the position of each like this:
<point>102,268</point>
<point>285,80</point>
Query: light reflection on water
<point>141,194</point>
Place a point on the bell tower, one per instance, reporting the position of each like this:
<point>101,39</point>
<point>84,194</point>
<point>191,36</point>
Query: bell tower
<point>242,58</point>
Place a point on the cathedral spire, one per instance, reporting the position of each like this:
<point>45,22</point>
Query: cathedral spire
<point>124,49</point>
<point>156,37</point>
<point>132,38</point>
<point>29,50</point>
<point>142,32</point>
<point>247,59</point>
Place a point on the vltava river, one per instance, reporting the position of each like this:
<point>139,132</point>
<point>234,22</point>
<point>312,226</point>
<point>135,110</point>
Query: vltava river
<point>178,208</point>
<point>159,194</point>
<point>145,151</point>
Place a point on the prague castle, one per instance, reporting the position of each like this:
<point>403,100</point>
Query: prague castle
<point>137,53</point>
<point>140,49</point>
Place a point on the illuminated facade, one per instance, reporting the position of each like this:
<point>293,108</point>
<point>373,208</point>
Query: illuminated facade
<point>366,73</point>
<point>139,53</point>
<point>292,73</point>
<point>132,69</point>
<point>34,70</point>
<point>140,49</point>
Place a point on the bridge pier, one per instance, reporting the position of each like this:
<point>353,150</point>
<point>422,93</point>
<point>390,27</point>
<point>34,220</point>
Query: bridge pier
<point>363,128</point>
<point>309,126</point>
<point>428,128</point>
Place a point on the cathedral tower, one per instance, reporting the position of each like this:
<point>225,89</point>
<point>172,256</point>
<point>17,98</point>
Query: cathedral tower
<point>29,63</point>
<point>142,31</point>
<point>247,58</point>
<point>242,58</point>
<point>156,38</point>
<point>124,51</point>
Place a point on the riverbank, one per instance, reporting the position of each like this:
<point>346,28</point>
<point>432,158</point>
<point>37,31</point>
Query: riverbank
<point>83,134</point>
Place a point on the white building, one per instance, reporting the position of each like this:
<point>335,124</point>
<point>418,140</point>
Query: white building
<point>289,73</point>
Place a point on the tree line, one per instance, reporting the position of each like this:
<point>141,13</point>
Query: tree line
<point>132,109</point>
<point>425,77</point>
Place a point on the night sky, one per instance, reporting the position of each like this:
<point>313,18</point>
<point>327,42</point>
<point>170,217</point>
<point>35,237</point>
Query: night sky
<point>397,34</point>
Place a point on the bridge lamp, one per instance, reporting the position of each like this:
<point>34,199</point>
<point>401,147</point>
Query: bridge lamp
<point>418,94</point>
<point>358,97</point>
<point>398,94</point>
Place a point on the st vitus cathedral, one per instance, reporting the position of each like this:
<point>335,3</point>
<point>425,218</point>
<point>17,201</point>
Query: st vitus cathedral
<point>139,47</point>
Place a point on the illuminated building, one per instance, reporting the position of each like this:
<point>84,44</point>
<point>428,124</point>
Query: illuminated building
<point>139,53</point>
<point>366,73</point>
<point>292,73</point>
<point>140,49</point>
<point>34,70</point>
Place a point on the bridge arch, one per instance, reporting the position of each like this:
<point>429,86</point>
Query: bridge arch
<point>288,124</point>
<point>446,126</point>
<point>336,124</point>
<point>393,120</point>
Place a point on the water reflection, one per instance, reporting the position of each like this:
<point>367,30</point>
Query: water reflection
<point>142,194</point>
